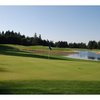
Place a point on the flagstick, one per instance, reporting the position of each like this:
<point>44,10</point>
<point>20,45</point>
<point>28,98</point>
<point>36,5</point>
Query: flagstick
<point>48,54</point>
<point>49,50</point>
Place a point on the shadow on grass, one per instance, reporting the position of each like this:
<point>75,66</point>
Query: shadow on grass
<point>50,87</point>
<point>8,50</point>
<point>3,70</point>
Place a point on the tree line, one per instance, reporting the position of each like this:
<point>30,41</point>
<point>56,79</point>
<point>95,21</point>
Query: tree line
<point>11,37</point>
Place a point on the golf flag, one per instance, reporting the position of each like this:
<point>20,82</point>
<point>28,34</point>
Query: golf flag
<point>50,47</point>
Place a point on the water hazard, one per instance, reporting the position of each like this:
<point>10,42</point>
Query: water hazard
<point>87,55</point>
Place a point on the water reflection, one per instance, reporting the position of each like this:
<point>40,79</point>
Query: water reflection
<point>87,55</point>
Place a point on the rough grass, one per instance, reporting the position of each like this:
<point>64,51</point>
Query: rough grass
<point>23,72</point>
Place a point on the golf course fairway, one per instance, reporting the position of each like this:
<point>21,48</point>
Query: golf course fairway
<point>23,72</point>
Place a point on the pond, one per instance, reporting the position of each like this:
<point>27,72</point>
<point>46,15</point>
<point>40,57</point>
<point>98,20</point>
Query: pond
<point>87,55</point>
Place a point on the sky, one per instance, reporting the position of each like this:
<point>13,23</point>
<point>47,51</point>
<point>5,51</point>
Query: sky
<point>56,23</point>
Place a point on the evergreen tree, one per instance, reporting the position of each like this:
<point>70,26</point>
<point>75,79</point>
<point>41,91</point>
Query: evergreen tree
<point>92,45</point>
<point>99,45</point>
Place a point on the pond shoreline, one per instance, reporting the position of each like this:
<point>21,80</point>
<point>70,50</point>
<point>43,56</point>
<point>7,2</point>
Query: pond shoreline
<point>85,55</point>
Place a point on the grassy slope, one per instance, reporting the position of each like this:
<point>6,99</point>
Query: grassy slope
<point>22,72</point>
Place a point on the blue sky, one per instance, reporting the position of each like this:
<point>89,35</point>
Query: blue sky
<point>66,23</point>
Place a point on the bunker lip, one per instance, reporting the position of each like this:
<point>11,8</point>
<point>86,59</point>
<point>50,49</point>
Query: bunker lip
<point>53,52</point>
<point>97,52</point>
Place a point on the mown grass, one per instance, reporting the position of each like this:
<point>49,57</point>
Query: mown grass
<point>50,87</point>
<point>28,68</point>
<point>23,72</point>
